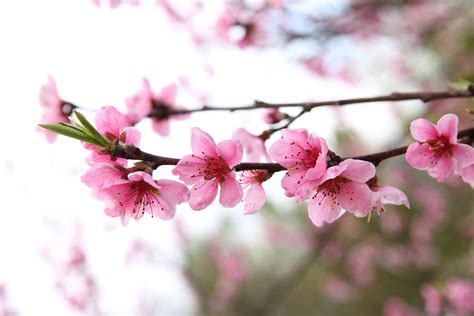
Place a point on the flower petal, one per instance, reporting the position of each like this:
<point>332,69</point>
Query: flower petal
<point>448,126</point>
<point>423,130</point>
<point>188,169</point>
<point>464,155</point>
<point>293,180</point>
<point>202,143</point>
<point>162,127</point>
<point>110,120</point>
<point>358,170</point>
<point>173,191</point>
<point>231,151</point>
<point>356,198</point>
<point>132,136</point>
<point>391,195</point>
<point>231,191</point>
<point>168,94</point>
<point>419,156</point>
<point>323,210</point>
<point>202,194</point>
<point>443,168</point>
<point>254,199</point>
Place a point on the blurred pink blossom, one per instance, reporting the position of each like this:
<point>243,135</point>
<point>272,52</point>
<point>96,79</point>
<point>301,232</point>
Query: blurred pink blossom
<point>254,146</point>
<point>433,299</point>
<point>460,294</point>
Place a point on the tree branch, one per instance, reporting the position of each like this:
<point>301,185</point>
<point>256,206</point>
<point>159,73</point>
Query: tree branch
<point>308,106</point>
<point>131,152</point>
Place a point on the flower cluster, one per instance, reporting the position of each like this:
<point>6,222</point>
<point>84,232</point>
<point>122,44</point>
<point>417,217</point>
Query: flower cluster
<point>332,185</point>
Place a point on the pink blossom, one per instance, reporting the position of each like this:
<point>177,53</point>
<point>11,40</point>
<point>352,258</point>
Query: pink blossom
<point>251,27</point>
<point>437,149</point>
<point>114,3</point>
<point>433,299</point>
<point>386,195</point>
<point>273,116</point>
<point>208,167</point>
<point>254,146</point>
<point>55,109</point>
<point>143,194</point>
<point>460,294</point>
<point>304,156</point>
<point>158,107</point>
<point>255,197</point>
<point>342,188</point>
<point>115,127</point>
<point>339,290</point>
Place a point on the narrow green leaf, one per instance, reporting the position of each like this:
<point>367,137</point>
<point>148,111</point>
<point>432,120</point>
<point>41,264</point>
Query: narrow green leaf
<point>72,132</point>
<point>91,129</point>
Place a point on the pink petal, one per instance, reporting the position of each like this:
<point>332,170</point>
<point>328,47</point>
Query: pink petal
<point>323,210</point>
<point>423,130</point>
<point>230,151</point>
<point>254,199</point>
<point>110,120</point>
<point>443,169</point>
<point>319,169</point>
<point>419,156</point>
<point>356,198</point>
<point>448,126</point>
<point>173,191</point>
<point>464,155</point>
<point>358,170</point>
<point>231,191</point>
<point>391,195</point>
<point>168,94</point>
<point>202,194</point>
<point>132,136</point>
<point>163,208</point>
<point>467,175</point>
<point>293,180</point>
<point>188,169</point>
<point>202,143</point>
<point>162,127</point>
<point>103,175</point>
<point>305,190</point>
<point>283,153</point>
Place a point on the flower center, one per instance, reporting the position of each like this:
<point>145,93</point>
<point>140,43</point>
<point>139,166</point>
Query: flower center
<point>160,111</point>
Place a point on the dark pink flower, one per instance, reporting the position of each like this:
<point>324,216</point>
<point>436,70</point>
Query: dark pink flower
<point>143,194</point>
<point>460,294</point>
<point>342,188</point>
<point>158,107</point>
<point>255,197</point>
<point>55,109</point>
<point>437,149</point>
<point>115,127</point>
<point>304,156</point>
<point>254,146</point>
<point>208,167</point>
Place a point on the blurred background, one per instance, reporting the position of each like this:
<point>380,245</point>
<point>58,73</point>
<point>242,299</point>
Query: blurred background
<point>60,254</point>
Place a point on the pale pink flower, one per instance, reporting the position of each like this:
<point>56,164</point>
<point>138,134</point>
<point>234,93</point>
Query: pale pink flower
<point>143,194</point>
<point>273,116</point>
<point>304,156</point>
<point>460,294</point>
<point>437,149</point>
<point>338,289</point>
<point>208,167</point>
<point>433,299</point>
<point>254,146</point>
<point>233,27</point>
<point>254,199</point>
<point>55,109</point>
<point>386,195</point>
<point>342,188</point>
<point>115,127</point>
<point>115,3</point>
<point>158,107</point>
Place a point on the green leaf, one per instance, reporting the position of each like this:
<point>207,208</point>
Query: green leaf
<point>71,131</point>
<point>90,129</point>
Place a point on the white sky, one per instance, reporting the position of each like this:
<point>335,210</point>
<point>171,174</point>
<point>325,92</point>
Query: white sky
<point>98,57</point>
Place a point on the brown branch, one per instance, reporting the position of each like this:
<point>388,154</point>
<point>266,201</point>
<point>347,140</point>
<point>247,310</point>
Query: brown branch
<point>308,106</point>
<point>131,152</point>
